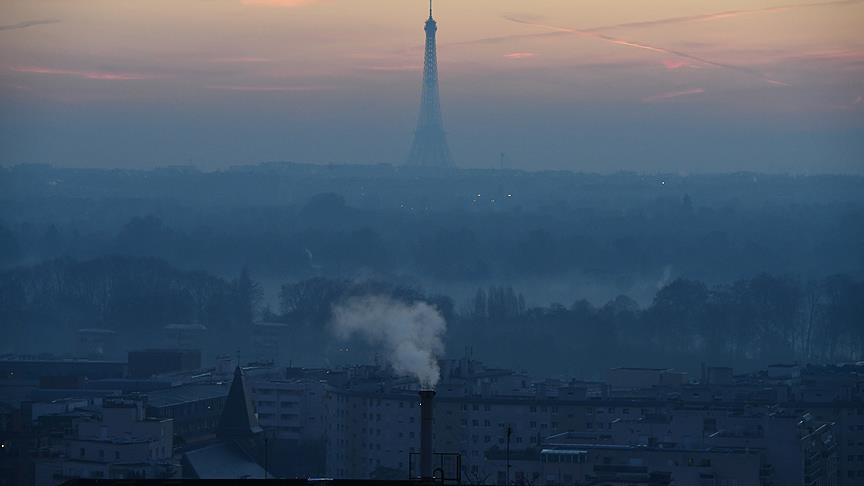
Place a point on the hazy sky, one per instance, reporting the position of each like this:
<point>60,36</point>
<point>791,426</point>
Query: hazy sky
<point>598,85</point>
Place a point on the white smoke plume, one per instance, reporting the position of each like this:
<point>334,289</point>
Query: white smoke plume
<point>410,334</point>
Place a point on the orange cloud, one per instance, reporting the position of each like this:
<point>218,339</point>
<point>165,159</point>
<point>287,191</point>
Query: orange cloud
<point>672,95</point>
<point>96,75</point>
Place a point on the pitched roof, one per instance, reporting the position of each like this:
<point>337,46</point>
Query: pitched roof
<point>238,418</point>
<point>222,460</point>
<point>191,392</point>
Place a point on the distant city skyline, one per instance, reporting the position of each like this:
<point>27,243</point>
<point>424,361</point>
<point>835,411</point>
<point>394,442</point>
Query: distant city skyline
<point>678,86</point>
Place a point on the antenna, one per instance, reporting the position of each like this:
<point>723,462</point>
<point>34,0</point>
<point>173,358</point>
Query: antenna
<point>430,9</point>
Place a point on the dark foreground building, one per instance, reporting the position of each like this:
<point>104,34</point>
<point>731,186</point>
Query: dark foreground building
<point>238,452</point>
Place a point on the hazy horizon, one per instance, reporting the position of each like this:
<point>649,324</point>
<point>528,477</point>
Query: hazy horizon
<point>676,86</point>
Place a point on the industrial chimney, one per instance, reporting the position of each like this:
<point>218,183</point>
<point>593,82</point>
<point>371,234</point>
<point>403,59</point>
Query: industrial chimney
<point>427,402</point>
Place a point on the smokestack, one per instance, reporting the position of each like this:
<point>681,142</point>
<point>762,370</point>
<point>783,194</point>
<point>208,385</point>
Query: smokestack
<point>426,416</point>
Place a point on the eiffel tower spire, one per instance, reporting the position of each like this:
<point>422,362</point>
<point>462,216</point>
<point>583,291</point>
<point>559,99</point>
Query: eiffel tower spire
<point>430,141</point>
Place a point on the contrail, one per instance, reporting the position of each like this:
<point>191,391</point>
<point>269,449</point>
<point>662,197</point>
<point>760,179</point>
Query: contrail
<point>724,15</point>
<point>28,23</point>
<point>667,21</point>
<point>638,45</point>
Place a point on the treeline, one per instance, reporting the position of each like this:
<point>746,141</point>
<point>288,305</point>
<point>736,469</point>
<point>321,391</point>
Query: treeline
<point>120,293</point>
<point>747,323</point>
<point>327,236</point>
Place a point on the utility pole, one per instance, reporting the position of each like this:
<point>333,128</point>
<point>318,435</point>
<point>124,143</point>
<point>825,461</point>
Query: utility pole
<point>509,433</point>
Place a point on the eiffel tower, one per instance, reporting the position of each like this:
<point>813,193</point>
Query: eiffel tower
<point>430,141</point>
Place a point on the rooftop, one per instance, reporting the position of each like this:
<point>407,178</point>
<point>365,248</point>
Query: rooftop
<point>186,393</point>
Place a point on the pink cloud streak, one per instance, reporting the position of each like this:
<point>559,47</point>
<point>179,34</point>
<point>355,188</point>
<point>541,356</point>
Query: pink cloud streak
<point>240,60</point>
<point>673,64</point>
<point>672,95</point>
<point>96,75</point>
<point>263,89</point>
<point>519,55</point>
<point>397,68</point>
